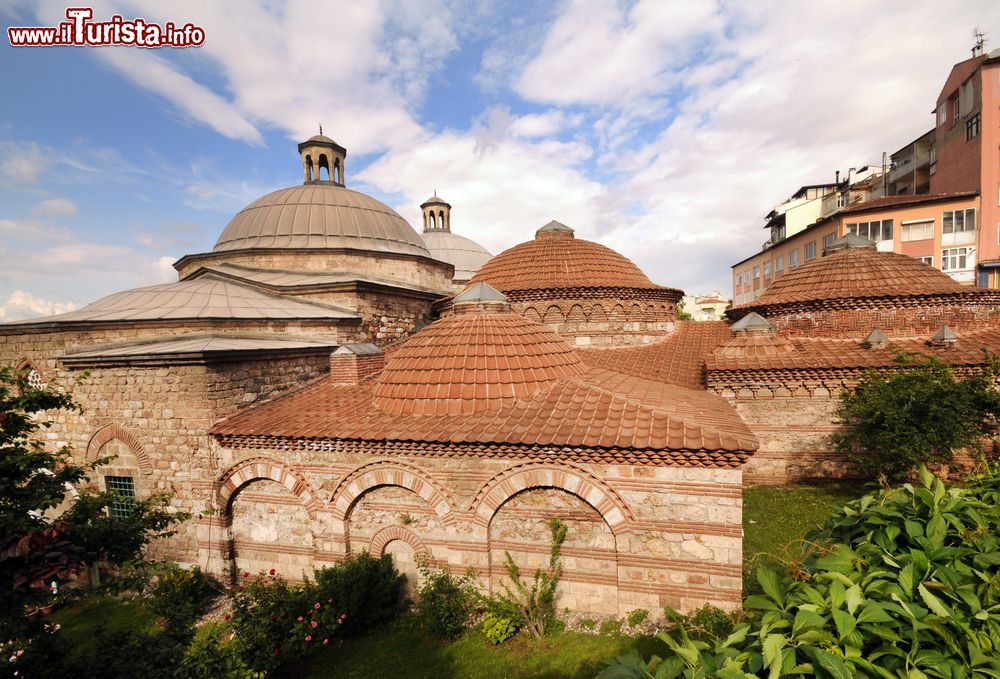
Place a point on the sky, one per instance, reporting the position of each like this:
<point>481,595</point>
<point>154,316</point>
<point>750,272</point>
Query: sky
<point>663,129</point>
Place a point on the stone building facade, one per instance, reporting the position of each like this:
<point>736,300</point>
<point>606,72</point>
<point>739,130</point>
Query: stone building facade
<point>269,393</point>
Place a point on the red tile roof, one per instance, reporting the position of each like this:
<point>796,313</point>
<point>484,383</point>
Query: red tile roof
<point>468,362</point>
<point>678,359</point>
<point>597,409</point>
<point>555,261</point>
<point>749,351</point>
<point>853,273</point>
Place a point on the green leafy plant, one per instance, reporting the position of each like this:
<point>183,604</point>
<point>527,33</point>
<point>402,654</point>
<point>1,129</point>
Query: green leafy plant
<point>588,624</point>
<point>498,629</point>
<point>446,602</point>
<point>405,519</point>
<point>901,583</point>
<point>209,656</point>
<point>918,414</point>
<point>610,628</point>
<point>637,617</point>
<point>536,599</point>
<point>181,595</point>
<point>366,590</point>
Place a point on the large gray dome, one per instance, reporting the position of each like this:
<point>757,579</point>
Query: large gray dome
<point>464,254</point>
<point>320,216</point>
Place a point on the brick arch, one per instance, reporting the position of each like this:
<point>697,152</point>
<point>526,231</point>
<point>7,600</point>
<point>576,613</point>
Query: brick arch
<point>376,474</point>
<point>576,313</point>
<point>570,478</point>
<point>263,468</point>
<point>116,431</point>
<point>597,314</point>
<point>390,533</point>
<point>532,313</point>
<point>553,315</point>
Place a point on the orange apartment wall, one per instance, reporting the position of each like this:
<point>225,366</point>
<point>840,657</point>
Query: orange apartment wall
<point>989,237</point>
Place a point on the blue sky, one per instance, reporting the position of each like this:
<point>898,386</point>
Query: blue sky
<point>663,129</point>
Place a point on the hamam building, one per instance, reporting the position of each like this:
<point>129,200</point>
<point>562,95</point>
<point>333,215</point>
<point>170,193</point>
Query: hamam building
<point>313,387</point>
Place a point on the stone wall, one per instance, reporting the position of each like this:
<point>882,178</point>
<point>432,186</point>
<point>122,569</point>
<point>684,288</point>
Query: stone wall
<point>640,537</point>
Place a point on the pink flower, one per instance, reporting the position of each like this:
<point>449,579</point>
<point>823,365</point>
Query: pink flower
<point>326,642</point>
<point>227,616</point>
<point>314,624</point>
<point>246,575</point>
<point>308,638</point>
<point>240,588</point>
<point>316,606</point>
<point>272,572</point>
<point>301,618</point>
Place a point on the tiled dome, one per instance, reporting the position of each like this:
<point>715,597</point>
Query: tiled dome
<point>556,259</point>
<point>320,216</point>
<point>854,272</point>
<point>478,358</point>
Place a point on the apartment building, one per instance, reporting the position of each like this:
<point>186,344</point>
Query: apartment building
<point>939,200</point>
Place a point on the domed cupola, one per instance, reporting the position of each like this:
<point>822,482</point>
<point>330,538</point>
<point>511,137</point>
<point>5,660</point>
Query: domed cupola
<point>320,153</point>
<point>465,254</point>
<point>479,357</point>
<point>583,290</point>
<point>854,287</point>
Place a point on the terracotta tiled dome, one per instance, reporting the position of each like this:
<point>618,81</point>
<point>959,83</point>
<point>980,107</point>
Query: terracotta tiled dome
<point>558,260</point>
<point>857,272</point>
<point>478,358</point>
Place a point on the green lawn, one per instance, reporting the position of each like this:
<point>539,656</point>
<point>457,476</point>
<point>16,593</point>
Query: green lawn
<point>401,651</point>
<point>775,519</point>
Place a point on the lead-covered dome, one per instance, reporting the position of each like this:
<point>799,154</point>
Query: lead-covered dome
<point>555,260</point>
<point>465,254</point>
<point>320,215</point>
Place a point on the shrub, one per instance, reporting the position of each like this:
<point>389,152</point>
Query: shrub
<point>264,618</point>
<point>637,617</point>
<point>918,415</point>
<point>901,583</point>
<point>610,628</point>
<point>367,590</point>
<point>537,600</point>
<point>446,602</point>
<point>130,653</point>
<point>588,624</point>
<point>181,595</point>
<point>497,629</point>
<point>208,656</point>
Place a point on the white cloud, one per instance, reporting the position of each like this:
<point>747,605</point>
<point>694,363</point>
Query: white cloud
<point>22,304</point>
<point>55,207</point>
<point>30,230</point>
<point>20,162</point>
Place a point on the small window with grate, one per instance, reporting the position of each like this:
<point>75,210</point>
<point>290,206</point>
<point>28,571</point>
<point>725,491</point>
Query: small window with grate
<point>124,489</point>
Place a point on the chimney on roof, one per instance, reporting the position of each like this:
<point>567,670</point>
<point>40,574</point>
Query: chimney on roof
<point>354,363</point>
<point>944,338</point>
<point>876,339</point>
<point>837,179</point>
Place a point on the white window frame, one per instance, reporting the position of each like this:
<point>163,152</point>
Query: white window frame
<point>739,279</point>
<point>928,260</point>
<point>809,247</point>
<point>756,272</point>
<point>857,227</point>
<point>767,268</point>
<point>949,216</point>
<point>779,263</point>
<point>960,260</point>
<point>793,258</point>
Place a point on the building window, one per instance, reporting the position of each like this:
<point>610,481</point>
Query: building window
<point>739,279</point>
<point>767,268</point>
<point>124,489</point>
<point>954,259</point>
<point>957,221</point>
<point>828,240</point>
<point>972,126</point>
<point>793,257</point>
<point>942,113</point>
<point>922,230</point>
<point>876,230</point>
<point>756,272</point>
<point>927,260</point>
<point>810,251</point>
<point>779,262</point>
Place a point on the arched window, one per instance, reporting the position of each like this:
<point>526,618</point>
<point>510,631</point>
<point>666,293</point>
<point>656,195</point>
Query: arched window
<point>310,168</point>
<point>338,172</point>
<point>324,164</point>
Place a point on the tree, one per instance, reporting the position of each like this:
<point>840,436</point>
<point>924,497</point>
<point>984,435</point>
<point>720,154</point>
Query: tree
<point>536,599</point>
<point>683,315</point>
<point>919,414</point>
<point>36,547</point>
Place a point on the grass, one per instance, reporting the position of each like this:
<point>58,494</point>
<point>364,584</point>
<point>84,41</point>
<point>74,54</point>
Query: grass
<point>81,619</point>
<point>401,650</point>
<point>777,518</point>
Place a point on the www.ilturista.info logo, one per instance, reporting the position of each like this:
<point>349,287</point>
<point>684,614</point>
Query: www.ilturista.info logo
<point>80,31</point>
